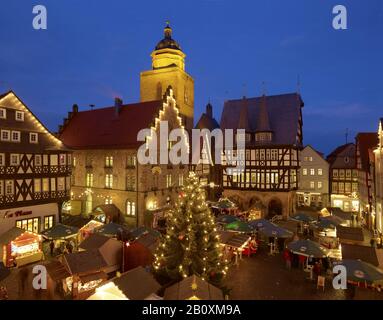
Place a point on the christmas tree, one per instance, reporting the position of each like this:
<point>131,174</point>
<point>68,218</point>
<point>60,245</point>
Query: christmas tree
<point>191,245</point>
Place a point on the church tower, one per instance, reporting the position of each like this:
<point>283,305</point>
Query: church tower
<point>168,68</point>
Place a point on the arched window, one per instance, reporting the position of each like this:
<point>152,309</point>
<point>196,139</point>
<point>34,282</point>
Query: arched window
<point>130,208</point>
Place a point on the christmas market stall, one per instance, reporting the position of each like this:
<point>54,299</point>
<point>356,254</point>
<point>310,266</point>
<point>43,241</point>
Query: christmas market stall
<point>109,248</point>
<point>239,226</point>
<point>224,206</point>
<point>89,229</point>
<point>107,213</point>
<point>235,244</point>
<point>113,230</point>
<point>275,235</point>
<point>61,235</point>
<point>136,284</point>
<point>84,271</point>
<point>20,247</point>
<point>193,288</point>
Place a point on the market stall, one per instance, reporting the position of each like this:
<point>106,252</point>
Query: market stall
<point>89,229</point>
<point>61,235</point>
<point>235,245</point>
<point>20,247</point>
<point>224,206</point>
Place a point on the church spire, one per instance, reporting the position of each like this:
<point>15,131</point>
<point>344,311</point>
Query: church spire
<point>263,123</point>
<point>243,122</point>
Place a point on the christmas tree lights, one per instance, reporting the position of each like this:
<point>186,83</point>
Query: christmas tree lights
<point>191,245</point>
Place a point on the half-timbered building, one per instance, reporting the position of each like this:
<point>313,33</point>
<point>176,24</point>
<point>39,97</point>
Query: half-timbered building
<point>273,126</point>
<point>344,178</point>
<point>35,169</point>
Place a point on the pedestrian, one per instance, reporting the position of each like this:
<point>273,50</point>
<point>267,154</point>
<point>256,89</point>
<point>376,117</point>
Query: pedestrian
<point>52,247</point>
<point>287,257</point>
<point>23,278</point>
<point>302,260</point>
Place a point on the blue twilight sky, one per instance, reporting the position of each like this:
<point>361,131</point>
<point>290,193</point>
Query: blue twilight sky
<point>95,50</point>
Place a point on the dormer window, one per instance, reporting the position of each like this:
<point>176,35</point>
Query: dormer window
<point>263,136</point>
<point>19,116</point>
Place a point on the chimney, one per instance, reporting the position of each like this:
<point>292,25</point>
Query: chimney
<point>209,110</point>
<point>117,105</point>
<point>75,108</point>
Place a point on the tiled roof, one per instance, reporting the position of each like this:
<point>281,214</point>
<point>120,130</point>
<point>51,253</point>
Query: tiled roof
<point>337,157</point>
<point>283,112</point>
<point>107,128</point>
<point>85,261</point>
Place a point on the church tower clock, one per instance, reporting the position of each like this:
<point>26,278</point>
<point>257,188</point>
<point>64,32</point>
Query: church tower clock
<point>168,68</point>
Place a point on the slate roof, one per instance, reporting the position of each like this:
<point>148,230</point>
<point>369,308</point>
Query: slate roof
<point>283,113</point>
<point>94,241</point>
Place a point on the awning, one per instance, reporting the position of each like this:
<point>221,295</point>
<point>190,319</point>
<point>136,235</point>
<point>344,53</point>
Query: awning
<point>93,276</point>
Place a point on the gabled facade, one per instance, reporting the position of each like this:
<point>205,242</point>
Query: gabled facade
<point>35,169</point>
<point>273,126</point>
<point>209,173</point>
<point>378,153</point>
<point>106,169</point>
<point>313,179</point>
<point>344,191</point>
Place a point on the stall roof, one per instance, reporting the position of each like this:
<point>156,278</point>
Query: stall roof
<point>11,235</point>
<point>112,229</point>
<point>149,241</point>
<point>137,284</point>
<point>85,261</point>
<point>350,233</point>
<point>60,231</point>
<point>233,239</point>
<point>94,241</point>
<point>76,221</point>
<point>57,270</point>
<point>364,253</point>
<point>193,287</point>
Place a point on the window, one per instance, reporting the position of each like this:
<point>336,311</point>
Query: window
<point>320,185</point>
<point>19,116</point>
<point>168,180</point>
<point>312,172</point>
<point>108,200</point>
<point>69,158</point>
<point>15,137</point>
<point>15,159</point>
<point>9,189</point>
<point>48,222</point>
<point>53,184</point>
<point>37,184</point>
<point>320,172</point>
<point>109,162</point>
<point>31,225</point>
<point>3,113</point>
<point>1,187</point>
<point>274,154</point>
<point>54,160</point>
<point>347,187</point>
<point>306,159</point>
<point>61,184</point>
<point>109,181</point>
<point>33,137</point>
<point>312,185</point>
<point>304,172</point>
<point>74,161</point>
<point>45,160</point>
<point>181,179</point>
<point>62,159</point>
<point>2,159</point>
<point>335,173</point>
<point>89,180</point>
<point>131,161</point>
<point>348,174</point>
<point>311,159</point>
<point>130,208</point>
<point>5,135</point>
<point>38,160</point>
<point>45,185</point>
